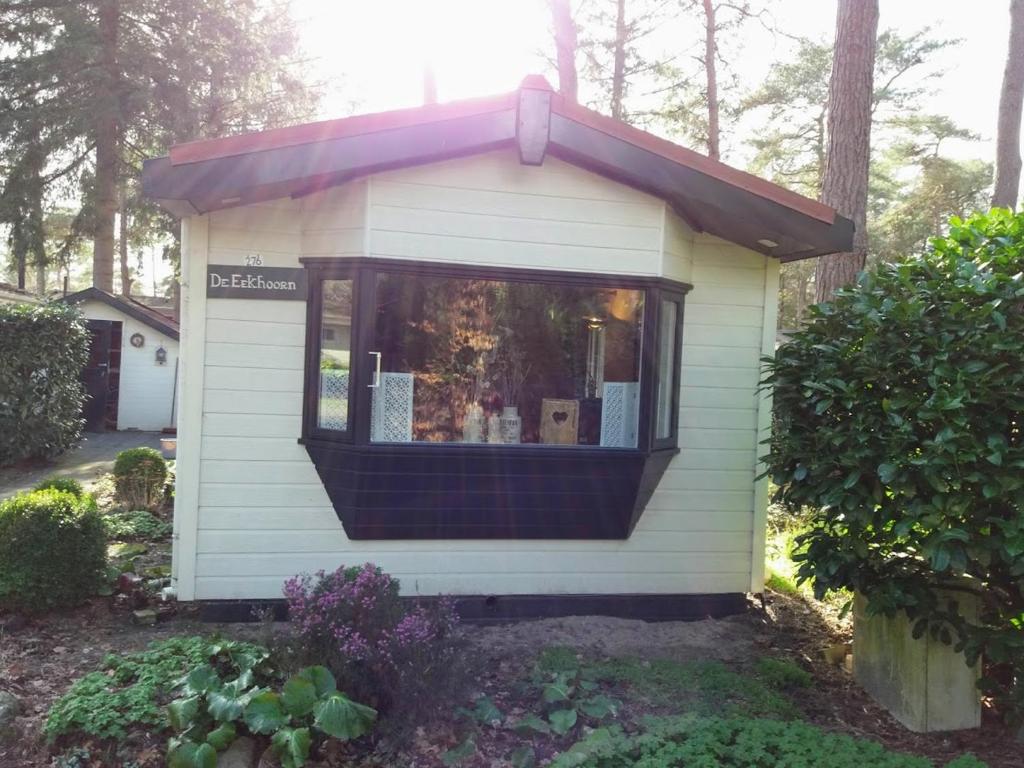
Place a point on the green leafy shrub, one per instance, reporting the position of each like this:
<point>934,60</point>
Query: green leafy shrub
<point>57,483</point>
<point>43,349</point>
<point>690,740</point>
<point>139,477</point>
<point>213,711</point>
<point>132,690</point>
<point>136,526</point>
<point>53,550</point>
<point>898,420</point>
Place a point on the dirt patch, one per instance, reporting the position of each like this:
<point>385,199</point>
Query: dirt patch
<point>729,640</point>
<point>792,628</point>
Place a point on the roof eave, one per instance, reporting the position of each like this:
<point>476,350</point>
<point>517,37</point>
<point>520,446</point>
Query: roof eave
<point>95,294</point>
<point>707,194</point>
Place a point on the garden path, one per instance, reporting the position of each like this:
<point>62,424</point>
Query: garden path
<point>93,458</point>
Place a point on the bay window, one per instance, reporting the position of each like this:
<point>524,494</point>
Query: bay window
<point>503,366</point>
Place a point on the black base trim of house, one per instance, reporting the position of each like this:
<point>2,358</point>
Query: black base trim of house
<point>492,609</point>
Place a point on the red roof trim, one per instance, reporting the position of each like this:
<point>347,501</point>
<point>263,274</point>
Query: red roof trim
<point>695,160</point>
<point>277,138</point>
<point>308,133</point>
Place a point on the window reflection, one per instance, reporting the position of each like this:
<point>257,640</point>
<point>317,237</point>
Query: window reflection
<point>667,384</point>
<point>335,354</point>
<point>473,361</point>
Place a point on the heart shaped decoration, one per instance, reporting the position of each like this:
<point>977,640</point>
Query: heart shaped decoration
<point>559,416</point>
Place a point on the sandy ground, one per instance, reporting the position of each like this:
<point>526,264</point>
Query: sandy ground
<point>728,640</point>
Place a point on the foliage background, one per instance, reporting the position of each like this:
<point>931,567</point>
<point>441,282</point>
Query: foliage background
<point>43,350</point>
<point>898,414</point>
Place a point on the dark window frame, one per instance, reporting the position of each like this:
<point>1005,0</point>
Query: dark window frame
<point>675,370</point>
<point>363,273</point>
<point>311,375</point>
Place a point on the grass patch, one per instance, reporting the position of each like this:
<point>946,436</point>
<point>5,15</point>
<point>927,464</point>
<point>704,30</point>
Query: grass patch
<point>781,571</point>
<point>704,687</point>
<point>782,674</point>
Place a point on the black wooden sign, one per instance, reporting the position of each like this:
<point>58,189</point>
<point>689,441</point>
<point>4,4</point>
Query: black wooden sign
<point>227,281</point>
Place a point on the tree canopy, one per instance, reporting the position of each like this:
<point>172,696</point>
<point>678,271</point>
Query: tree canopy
<point>87,90</point>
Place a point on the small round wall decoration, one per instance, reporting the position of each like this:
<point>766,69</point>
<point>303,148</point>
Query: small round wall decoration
<point>137,340</point>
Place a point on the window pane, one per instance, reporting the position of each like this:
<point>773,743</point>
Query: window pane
<point>474,361</point>
<point>666,369</point>
<point>335,353</point>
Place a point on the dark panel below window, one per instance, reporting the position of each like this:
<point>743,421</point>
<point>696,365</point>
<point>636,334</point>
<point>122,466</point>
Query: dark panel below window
<point>484,492</point>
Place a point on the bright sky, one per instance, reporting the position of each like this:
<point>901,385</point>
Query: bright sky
<point>480,47</point>
<point>371,53</point>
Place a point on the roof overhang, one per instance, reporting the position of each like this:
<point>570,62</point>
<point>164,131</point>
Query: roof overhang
<point>128,307</point>
<point>710,196</point>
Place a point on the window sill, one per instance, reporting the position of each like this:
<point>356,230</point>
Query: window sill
<point>486,491</point>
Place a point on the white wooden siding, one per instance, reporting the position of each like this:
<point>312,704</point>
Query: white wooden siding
<point>491,210</point>
<point>263,514</point>
<point>146,389</point>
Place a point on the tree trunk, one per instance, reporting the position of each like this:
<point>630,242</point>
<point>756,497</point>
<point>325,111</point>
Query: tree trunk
<point>711,71</point>
<point>107,109</point>
<point>20,263</point>
<point>845,186</point>
<point>41,279</point>
<point>819,149</point>
<point>619,71</point>
<point>565,48</point>
<point>122,246</point>
<point>1011,99</point>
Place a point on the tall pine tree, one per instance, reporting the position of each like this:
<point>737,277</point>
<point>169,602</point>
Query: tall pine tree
<point>114,81</point>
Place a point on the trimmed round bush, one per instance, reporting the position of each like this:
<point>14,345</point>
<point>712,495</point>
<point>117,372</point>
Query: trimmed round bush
<point>42,352</point>
<point>58,483</point>
<point>899,425</point>
<point>53,550</point>
<point>139,477</point>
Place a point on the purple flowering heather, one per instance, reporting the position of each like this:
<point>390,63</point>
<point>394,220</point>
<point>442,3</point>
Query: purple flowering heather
<point>353,621</point>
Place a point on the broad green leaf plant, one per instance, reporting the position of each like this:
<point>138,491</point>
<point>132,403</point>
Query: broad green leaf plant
<point>211,713</point>
<point>897,419</point>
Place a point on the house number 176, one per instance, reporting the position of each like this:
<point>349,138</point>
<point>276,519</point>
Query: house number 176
<point>254,260</point>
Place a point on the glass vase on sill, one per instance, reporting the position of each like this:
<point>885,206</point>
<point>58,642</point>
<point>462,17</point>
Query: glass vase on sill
<point>494,428</point>
<point>473,425</point>
<point>511,425</point>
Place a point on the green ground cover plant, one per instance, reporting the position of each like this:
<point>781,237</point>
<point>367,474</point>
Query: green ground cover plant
<point>52,550</point>
<point>898,412</point>
<point>689,741</point>
<point>139,525</point>
<point>131,691</point>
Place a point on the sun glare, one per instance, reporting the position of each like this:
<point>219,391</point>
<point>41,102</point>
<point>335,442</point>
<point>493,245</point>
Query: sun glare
<point>375,53</point>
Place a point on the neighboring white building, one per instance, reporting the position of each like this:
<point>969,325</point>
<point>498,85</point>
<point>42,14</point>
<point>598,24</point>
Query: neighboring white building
<point>381,314</point>
<point>132,370</point>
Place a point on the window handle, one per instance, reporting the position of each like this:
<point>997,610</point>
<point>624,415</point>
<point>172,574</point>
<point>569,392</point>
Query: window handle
<point>376,373</point>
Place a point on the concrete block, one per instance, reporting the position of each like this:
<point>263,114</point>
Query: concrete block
<point>923,683</point>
